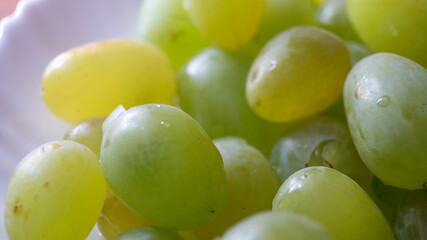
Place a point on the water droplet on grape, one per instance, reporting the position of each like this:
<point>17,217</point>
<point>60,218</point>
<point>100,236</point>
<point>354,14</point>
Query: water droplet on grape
<point>165,124</point>
<point>383,101</point>
<point>273,65</point>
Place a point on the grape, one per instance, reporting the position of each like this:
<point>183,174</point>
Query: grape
<point>277,226</point>
<point>116,218</point>
<point>251,183</point>
<point>321,141</point>
<point>411,216</point>
<point>212,90</point>
<point>394,26</point>
<point>298,73</point>
<point>162,165</point>
<point>151,233</point>
<point>332,15</point>
<point>357,51</point>
<point>92,80</point>
<point>386,197</point>
<point>88,133</point>
<point>230,24</point>
<point>317,2</point>
<point>166,24</point>
<point>56,192</point>
<point>280,15</point>
<point>385,100</point>
<point>334,200</point>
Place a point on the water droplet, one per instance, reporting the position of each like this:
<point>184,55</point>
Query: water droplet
<point>165,124</point>
<point>383,101</point>
<point>273,65</point>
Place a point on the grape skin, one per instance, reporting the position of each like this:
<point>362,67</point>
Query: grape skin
<point>395,26</point>
<point>277,226</point>
<point>229,24</point>
<point>298,73</point>
<point>251,185</point>
<point>162,165</point>
<point>56,192</point>
<point>334,200</point>
<point>384,98</point>
<point>166,24</point>
<point>93,79</point>
<point>152,233</point>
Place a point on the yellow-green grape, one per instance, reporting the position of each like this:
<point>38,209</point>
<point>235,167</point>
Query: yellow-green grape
<point>277,226</point>
<point>280,15</point>
<point>395,26</point>
<point>332,15</point>
<point>149,233</point>
<point>334,200</point>
<point>229,24</point>
<point>56,192</point>
<point>411,216</point>
<point>163,166</point>
<point>166,24</point>
<point>321,141</point>
<point>251,184</point>
<point>385,102</point>
<point>88,133</point>
<point>92,80</point>
<point>116,218</point>
<point>298,73</point>
<point>212,90</point>
<point>317,2</point>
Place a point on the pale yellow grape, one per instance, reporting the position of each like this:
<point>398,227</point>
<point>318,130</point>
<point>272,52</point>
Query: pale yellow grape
<point>116,218</point>
<point>56,192</point>
<point>298,73</point>
<point>394,26</point>
<point>251,185</point>
<point>92,80</point>
<point>335,201</point>
<point>229,24</point>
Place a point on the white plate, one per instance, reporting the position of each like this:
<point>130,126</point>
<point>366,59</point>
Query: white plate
<point>29,39</point>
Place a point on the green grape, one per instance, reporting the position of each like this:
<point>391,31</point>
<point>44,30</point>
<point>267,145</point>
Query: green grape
<point>298,73</point>
<point>88,133</point>
<point>56,192</point>
<point>116,218</point>
<point>280,15</point>
<point>251,184</point>
<point>334,200</point>
<point>357,51</point>
<point>385,100</point>
<point>394,26</point>
<point>322,141</point>
<point>317,2</point>
<point>212,90</point>
<point>277,226</point>
<point>162,165</point>
<point>230,24</point>
<point>386,197</point>
<point>332,15</point>
<point>411,216</point>
<point>149,233</point>
<point>166,24</point>
<point>93,79</point>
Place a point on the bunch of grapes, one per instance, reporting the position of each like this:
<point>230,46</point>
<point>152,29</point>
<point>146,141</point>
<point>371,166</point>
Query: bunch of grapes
<point>237,120</point>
